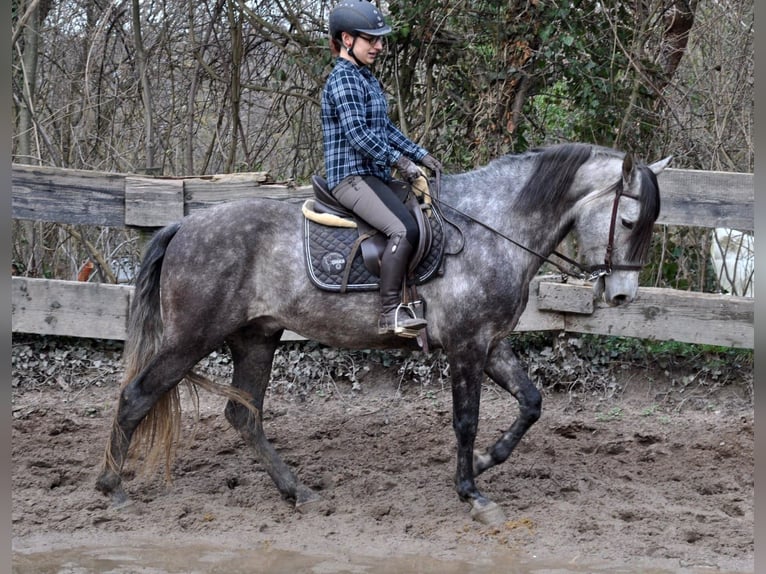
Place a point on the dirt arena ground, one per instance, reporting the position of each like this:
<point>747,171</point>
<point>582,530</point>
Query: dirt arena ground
<point>656,476</point>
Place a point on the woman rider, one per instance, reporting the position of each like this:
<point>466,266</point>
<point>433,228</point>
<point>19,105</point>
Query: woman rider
<point>361,145</point>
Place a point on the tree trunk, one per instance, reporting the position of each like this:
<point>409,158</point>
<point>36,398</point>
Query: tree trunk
<point>146,90</point>
<point>29,32</point>
<point>678,19</point>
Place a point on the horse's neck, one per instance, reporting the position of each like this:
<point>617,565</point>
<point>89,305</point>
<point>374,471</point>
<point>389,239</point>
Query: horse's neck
<point>490,201</point>
<point>529,237</point>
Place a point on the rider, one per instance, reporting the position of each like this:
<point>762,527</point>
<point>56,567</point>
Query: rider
<point>361,145</point>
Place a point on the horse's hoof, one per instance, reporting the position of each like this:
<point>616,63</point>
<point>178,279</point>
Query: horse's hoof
<point>119,498</point>
<point>306,500</point>
<point>487,512</point>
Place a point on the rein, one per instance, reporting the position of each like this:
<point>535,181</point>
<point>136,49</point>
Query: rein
<point>586,272</point>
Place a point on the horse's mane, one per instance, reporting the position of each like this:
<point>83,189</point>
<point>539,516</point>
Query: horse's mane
<point>641,237</point>
<point>553,173</point>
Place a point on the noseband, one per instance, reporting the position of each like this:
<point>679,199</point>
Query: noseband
<point>597,271</point>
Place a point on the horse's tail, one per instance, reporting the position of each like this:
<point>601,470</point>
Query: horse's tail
<point>145,318</point>
<point>144,334</point>
<point>158,432</point>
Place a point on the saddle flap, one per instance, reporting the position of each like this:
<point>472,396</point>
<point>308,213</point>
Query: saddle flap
<point>372,252</point>
<point>424,227</point>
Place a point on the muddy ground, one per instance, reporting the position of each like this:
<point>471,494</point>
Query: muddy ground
<point>652,472</point>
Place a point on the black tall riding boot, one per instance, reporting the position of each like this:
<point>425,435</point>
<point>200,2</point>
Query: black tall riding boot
<point>393,265</point>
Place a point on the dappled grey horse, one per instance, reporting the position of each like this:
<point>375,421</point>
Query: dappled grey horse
<point>236,274</point>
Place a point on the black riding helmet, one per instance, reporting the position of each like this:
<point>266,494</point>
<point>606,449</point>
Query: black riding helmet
<point>357,17</point>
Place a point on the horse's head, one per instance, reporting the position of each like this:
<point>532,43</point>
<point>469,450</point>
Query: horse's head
<point>614,228</point>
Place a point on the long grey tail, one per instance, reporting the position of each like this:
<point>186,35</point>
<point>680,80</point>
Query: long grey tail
<point>145,319</point>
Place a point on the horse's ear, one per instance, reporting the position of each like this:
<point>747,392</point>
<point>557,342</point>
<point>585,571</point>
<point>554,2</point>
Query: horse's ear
<point>658,166</point>
<point>627,168</point>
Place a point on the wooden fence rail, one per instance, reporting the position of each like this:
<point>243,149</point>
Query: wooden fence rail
<point>97,310</point>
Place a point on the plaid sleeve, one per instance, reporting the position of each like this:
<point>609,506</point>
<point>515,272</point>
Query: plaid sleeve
<point>404,144</point>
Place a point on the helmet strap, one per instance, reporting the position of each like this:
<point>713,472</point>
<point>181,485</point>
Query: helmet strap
<point>350,51</point>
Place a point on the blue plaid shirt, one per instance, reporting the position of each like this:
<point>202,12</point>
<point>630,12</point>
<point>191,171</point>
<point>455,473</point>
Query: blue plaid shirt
<point>359,137</point>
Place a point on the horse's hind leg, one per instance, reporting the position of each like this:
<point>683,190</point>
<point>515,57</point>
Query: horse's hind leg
<point>137,398</point>
<point>252,354</point>
<point>503,367</point>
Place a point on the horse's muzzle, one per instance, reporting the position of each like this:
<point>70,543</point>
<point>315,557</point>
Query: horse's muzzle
<point>617,288</point>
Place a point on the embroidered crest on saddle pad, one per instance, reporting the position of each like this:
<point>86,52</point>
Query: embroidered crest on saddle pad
<point>334,260</point>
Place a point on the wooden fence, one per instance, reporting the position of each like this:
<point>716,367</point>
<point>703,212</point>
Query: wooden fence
<point>98,310</point>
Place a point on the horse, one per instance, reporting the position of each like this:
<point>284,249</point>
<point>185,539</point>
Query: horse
<point>235,274</point>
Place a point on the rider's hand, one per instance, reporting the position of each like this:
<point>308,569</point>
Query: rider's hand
<point>432,163</point>
<point>408,170</point>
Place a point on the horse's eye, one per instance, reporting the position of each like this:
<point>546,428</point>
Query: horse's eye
<point>627,224</point>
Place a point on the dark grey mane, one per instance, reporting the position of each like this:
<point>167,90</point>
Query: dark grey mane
<point>641,237</point>
<point>554,171</point>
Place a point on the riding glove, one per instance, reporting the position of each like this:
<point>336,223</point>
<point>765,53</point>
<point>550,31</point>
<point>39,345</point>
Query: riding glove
<point>408,170</point>
<point>432,163</point>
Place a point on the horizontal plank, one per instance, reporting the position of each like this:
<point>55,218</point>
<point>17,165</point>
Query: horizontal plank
<point>659,314</point>
<point>706,199</point>
<point>689,197</point>
<point>68,195</point>
<point>75,309</point>
<point>100,311</point>
<point>70,308</point>
<point>671,315</point>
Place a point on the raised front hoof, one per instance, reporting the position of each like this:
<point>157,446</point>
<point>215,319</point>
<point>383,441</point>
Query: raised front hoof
<point>487,512</point>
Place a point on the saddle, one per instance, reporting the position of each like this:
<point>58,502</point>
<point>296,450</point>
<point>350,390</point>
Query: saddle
<point>343,251</point>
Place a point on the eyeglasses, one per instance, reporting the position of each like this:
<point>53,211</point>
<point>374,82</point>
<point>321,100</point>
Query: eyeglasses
<point>370,39</point>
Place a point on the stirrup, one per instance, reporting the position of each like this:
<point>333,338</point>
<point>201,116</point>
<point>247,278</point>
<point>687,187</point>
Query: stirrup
<point>408,326</point>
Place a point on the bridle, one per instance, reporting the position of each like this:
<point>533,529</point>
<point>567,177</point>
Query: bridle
<point>597,271</point>
<point>584,272</point>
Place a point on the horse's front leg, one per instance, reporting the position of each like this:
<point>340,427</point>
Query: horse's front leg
<point>503,367</point>
<point>466,394</point>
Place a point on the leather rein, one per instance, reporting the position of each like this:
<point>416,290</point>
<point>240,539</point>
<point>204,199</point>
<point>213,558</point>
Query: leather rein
<point>586,272</point>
